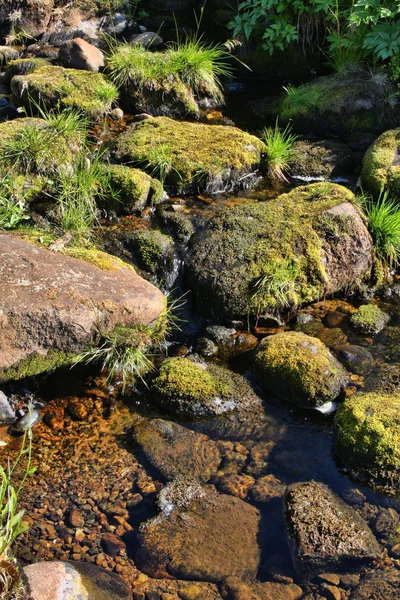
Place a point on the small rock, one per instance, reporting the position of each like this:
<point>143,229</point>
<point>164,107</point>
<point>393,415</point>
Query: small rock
<point>330,578</point>
<point>74,518</point>
<point>111,544</point>
<point>7,414</point>
<point>191,592</point>
<point>355,358</point>
<point>349,580</point>
<point>29,420</point>
<point>234,588</point>
<point>79,54</point>
<point>146,39</point>
<point>331,592</point>
<point>117,114</point>
<point>369,319</point>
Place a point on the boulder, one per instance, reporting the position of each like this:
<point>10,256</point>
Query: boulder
<point>54,305</point>
<point>85,91</point>
<point>367,430</point>
<point>356,359</point>
<point>79,54</point>
<point>199,535</point>
<point>381,163</point>
<point>276,255</point>
<point>176,451</point>
<point>379,585</point>
<point>369,319</point>
<point>210,158</point>
<point>73,580</point>
<point>299,369</point>
<point>135,190</point>
<point>196,388</point>
<point>324,533</point>
<point>322,158</point>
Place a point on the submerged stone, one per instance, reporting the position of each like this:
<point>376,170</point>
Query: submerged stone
<point>355,358</point>
<point>324,533</point>
<point>200,535</point>
<point>379,585</point>
<point>279,254</point>
<point>368,437</point>
<point>234,588</point>
<point>53,305</point>
<point>209,158</point>
<point>176,451</point>
<point>299,369</point>
<point>195,388</point>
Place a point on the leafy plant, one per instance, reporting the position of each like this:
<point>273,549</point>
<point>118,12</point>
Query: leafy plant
<point>279,151</point>
<point>384,40</point>
<point>384,225</point>
<point>13,209</point>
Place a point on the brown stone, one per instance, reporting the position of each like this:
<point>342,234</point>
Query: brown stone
<point>236,485</point>
<point>266,488</point>
<point>50,301</point>
<point>112,544</point>
<point>331,592</point>
<point>234,588</point>
<point>74,518</point>
<point>79,54</point>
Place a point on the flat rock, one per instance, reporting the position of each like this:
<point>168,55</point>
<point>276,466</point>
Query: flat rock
<point>234,588</point>
<point>52,303</point>
<point>73,580</point>
<point>324,533</point>
<point>200,535</point>
<point>176,451</point>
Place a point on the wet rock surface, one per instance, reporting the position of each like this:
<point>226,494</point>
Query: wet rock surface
<point>197,535</point>
<point>381,585</point>
<point>234,588</point>
<point>324,533</point>
<point>176,451</point>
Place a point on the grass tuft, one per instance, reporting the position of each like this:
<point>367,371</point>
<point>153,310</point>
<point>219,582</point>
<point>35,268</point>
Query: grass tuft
<point>279,151</point>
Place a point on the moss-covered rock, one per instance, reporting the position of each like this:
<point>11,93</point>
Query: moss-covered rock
<point>369,319</point>
<point>299,369</point>
<point>190,155</point>
<point>199,388</point>
<point>135,190</point>
<point>88,92</point>
<point>33,147</point>
<point>368,437</point>
<point>23,66</point>
<point>357,102</point>
<point>381,164</point>
<point>274,255</point>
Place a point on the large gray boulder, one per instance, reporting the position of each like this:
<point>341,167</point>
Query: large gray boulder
<point>52,306</point>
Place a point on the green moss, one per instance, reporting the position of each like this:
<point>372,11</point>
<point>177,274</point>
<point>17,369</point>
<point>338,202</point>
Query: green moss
<point>299,369</point>
<point>369,319</point>
<point>200,388</point>
<point>368,436</point>
<point>262,257</point>
<point>152,250</point>
<point>23,66</point>
<point>381,164</point>
<point>136,188</point>
<point>188,154</point>
<point>53,86</point>
<point>36,364</point>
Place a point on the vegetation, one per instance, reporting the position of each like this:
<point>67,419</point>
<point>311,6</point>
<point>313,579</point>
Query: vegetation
<point>380,168</point>
<point>384,224</point>
<point>279,150</point>
<point>369,319</point>
<point>13,206</point>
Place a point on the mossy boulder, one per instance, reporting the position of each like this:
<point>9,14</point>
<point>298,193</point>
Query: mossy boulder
<point>195,388</point>
<point>299,369</point>
<point>358,102</point>
<point>322,158</point>
<point>30,147</point>
<point>191,156</point>
<point>135,188</point>
<point>381,164</point>
<point>274,255</point>
<point>85,91</point>
<point>369,319</point>
<point>23,66</point>
<point>368,437</point>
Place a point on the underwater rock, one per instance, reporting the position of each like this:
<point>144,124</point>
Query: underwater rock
<point>234,588</point>
<point>379,585</point>
<point>324,533</point>
<point>322,158</point>
<point>369,319</point>
<point>208,158</point>
<point>389,341</point>
<point>53,305</point>
<point>355,358</point>
<point>79,54</point>
<point>272,256</point>
<point>29,420</point>
<point>381,164</point>
<point>176,451</point>
<point>299,369</point>
<point>200,535</point>
<point>194,388</point>
<point>367,430</point>
<point>73,580</point>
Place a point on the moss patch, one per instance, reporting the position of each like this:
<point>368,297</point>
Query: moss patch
<point>369,319</point>
<point>36,364</point>
<point>23,66</point>
<point>194,388</point>
<point>271,255</point>
<point>299,369</point>
<point>368,436</point>
<point>136,188</point>
<point>56,87</point>
<point>190,154</point>
<point>381,164</point>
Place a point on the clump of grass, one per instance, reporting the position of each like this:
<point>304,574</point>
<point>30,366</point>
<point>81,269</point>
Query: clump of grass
<point>276,288</point>
<point>13,208</point>
<point>77,191</point>
<point>160,162</point>
<point>30,150</point>
<point>107,94</point>
<point>279,151</point>
<point>384,225</point>
<point>68,123</point>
